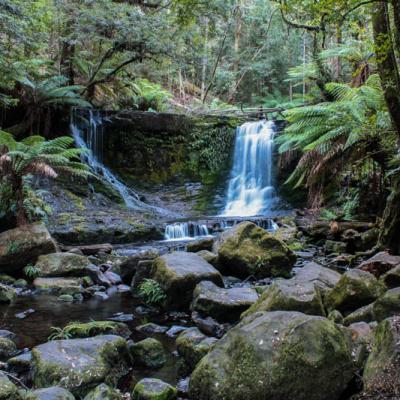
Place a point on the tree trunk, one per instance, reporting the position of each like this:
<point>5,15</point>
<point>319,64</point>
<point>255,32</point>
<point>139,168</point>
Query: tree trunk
<point>388,72</point>
<point>396,18</point>
<point>18,189</point>
<point>66,62</point>
<point>204,59</point>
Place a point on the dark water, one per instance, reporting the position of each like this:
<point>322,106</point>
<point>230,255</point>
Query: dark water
<point>50,312</point>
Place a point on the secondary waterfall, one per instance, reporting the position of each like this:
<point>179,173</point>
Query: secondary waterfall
<point>185,231</point>
<point>88,134</point>
<point>250,190</point>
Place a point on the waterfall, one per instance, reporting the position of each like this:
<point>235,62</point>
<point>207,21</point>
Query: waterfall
<point>185,231</point>
<point>250,190</point>
<point>89,135</point>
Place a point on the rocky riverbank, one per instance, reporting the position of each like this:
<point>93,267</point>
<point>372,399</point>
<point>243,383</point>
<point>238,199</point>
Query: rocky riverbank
<point>302,313</point>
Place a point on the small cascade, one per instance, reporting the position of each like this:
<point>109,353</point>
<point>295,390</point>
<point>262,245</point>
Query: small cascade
<point>250,190</point>
<point>88,134</point>
<point>185,231</point>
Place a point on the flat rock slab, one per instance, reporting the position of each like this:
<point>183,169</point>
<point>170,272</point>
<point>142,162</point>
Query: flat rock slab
<point>79,365</point>
<point>178,274</point>
<point>222,304</point>
<point>52,393</point>
<point>59,285</point>
<point>61,264</point>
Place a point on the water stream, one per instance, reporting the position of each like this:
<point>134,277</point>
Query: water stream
<point>251,191</point>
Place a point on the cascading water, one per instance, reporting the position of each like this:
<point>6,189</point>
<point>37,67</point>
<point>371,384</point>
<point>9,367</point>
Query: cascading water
<point>185,231</point>
<point>251,191</point>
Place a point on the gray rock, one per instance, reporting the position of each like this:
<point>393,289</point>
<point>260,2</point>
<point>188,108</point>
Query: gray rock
<point>128,267</point>
<point>61,264</point>
<point>59,285</point>
<point>392,278</point>
<point>148,353</point>
<point>51,393</point>
<point>23,245</point>
<point>363,314</point>
<point>103,392</point>
<point>208,256</point>
<point>154,389</point>
<point>387,305</point>
<point>178,274</point>
<point>277,355</point>
<point>222,304</point>
<point>80,364</point>
<point>380,263</point>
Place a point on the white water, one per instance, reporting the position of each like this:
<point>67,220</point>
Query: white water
<point>91,137</point>
<point>185,231</point>
<point>251,191</point>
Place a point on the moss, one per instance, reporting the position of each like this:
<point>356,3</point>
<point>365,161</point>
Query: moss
<point>77,201</point>
<point>149,353</point>
<point>154,389</point>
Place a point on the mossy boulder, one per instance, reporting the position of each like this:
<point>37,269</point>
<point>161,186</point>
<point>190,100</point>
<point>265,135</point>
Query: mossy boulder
<point>95,328</point>
<point>332,246</point>
<point>69,286</point>
<point>79,365</point>
<point>8,391</point>
<point>128,267</point>
<point>382,370</point>
<point>7,348</point>
<point>362,314</point>
<point>387,305</point>
<point>208,256</point>
<point>61,264</point>
<point>303,293</point>
<point>52,393</point>
<point>222,304</point>
<point>154,389</point>
<point>7,294</point>
<point>247,249</point>
<point>178,274</point>
<point>277,355</point>
<point>23,245</point>
<point>355,289</point>
<point>193,345</point>
<point>7,279</point>
<point>148,353</point>
<point>336,316</point>
<point>103,392</point>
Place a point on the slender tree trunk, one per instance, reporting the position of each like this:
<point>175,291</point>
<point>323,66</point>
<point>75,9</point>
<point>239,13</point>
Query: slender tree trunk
<point>18,189</point>
<point>388,72</point>
<point>396,18</point>
<point>236,48</point>
<point>338,63</point>
<point>204,60</point>
<point>66,62</point>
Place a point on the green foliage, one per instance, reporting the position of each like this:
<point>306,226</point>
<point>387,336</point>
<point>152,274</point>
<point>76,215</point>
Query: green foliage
<point>328,215</point>
<point>31,271</point>
<point>149,96</point>
<point>12,247</point>
<point>81,330</point>
<point>34,157</point>
<point>151,292</point>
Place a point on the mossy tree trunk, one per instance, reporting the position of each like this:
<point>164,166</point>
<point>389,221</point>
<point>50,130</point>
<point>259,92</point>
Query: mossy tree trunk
<point>389,74</point>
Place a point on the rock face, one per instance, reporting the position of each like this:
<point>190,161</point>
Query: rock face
<point>8,391</point>
<point>80,364</point>
<point>61,264</point>
<point>192,346</point>
<point>276,355</point>
<point>149,353</point>
<point>303,293</point>
<point>380,263</point>
<point>21,246</point>
<point>222,304</point>
<point>382,370</point>
<point>387,305</point>
<point>355,289</point>
<point>178,274</point>
<point>154,389</point>
<point>128,267</point>
<point>53,393</point>
<point>247,249</point>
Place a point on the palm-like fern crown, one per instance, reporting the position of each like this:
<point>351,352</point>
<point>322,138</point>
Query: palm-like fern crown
<point>36,156</point>
<point>328,134</point>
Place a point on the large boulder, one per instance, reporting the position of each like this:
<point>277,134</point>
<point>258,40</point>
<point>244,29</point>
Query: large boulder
<point>382,370</point>
<point>303,293</point>
<point>52,393</point>
<point>79,365</point>
<point>8,391</point>
<point>178,274</point>
<point>129,267</point>
<point>193,345</point>
<point>23,245</point>
<point>61,264</point>
<point>277,355</point>
<point>380,263</point>
<point>387,305</point>
<point>356,288</point>
<point>392,278</point>
<point>154,389</point>
<point>362,314</point>
<point>247,249</point>
<point>222,304</point>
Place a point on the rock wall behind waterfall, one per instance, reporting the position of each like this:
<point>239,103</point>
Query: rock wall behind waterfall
<point>160,147</point>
